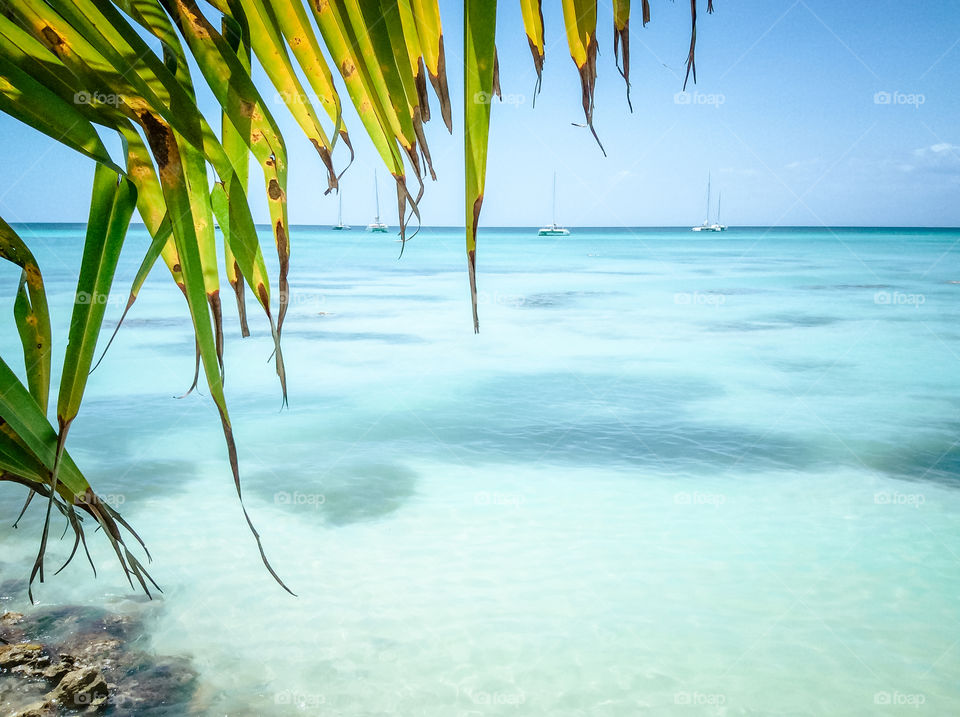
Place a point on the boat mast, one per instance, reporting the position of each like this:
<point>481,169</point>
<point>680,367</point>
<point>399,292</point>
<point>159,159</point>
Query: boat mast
<point>376,193</point>
<point>339,208</point>
<point>707,220</point>
<point>554,199</point>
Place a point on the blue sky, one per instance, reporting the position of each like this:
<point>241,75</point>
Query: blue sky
<point>785,115</point>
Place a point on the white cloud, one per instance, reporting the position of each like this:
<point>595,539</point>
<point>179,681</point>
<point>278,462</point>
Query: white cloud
<point>937,149</point>
<point>943,158</point>
<point>804,163</point>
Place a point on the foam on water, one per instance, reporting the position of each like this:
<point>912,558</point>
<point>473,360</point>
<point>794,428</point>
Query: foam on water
<point>671,476</point>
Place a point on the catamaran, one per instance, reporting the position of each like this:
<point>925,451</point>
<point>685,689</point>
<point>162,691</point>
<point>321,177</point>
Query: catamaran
<point>376,225</point>
<point>339,225</point>
<point>719,227</point>
<point>707,226</point>
<point>554,230</point>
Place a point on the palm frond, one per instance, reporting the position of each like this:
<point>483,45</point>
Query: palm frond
<point>72,69</point>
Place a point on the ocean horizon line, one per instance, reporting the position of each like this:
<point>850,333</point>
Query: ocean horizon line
<point>362,227</point>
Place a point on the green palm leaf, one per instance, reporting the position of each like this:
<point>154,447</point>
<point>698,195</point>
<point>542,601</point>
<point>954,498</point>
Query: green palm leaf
<point>30,314</point>
<point>73,68</point>
<point>479,37</point>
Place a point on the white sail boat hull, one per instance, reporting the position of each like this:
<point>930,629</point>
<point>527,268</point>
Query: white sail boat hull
<point>554,230</point>
<point>707,226</point>
<point>339,227</point>
<point>376,226</point>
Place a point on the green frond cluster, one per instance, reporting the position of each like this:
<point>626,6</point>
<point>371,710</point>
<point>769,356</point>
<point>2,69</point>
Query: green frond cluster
<point>71,67</point>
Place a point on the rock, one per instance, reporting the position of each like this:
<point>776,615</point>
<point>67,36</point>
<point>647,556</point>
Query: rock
<point>11,628</point>
<point>81,659</point>
<point>56,672</point>
<point>82,689</point>
<point>88,649</point>
<point>55,623</point>
<point>38,709</point>
<point>155,681</point>
<point>17,693</point>
<point>24,654</point>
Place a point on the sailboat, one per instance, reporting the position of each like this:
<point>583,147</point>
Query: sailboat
<point>376,225</point>
<point>707,226</point>
<point>339,225</point>
<point>719,227</point>
<point>554,230</point>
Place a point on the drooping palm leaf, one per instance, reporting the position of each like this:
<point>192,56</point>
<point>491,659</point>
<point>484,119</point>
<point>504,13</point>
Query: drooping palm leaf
<point>110,211</point>
<point>532,11</point>
<point>59,58</point>
<point>355,71</point>
<point>30,313</point>
<point>426,18</point>
<point>621,36</point>
<point>580,19</point>
<point>479,45</point>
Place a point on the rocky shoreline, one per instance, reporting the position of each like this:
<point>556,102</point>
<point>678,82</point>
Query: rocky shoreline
<point>76,660</point>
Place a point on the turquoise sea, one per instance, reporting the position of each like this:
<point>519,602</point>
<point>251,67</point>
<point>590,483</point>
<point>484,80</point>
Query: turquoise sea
<point>674,474</point>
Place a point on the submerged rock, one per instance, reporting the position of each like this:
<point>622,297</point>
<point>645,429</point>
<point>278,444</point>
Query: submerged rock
<point>84,660</point>
<point>83,689</point>
<point>24,656</point>
<point>38,709</point>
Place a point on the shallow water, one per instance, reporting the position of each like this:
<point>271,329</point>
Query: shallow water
<point>672,475</point>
